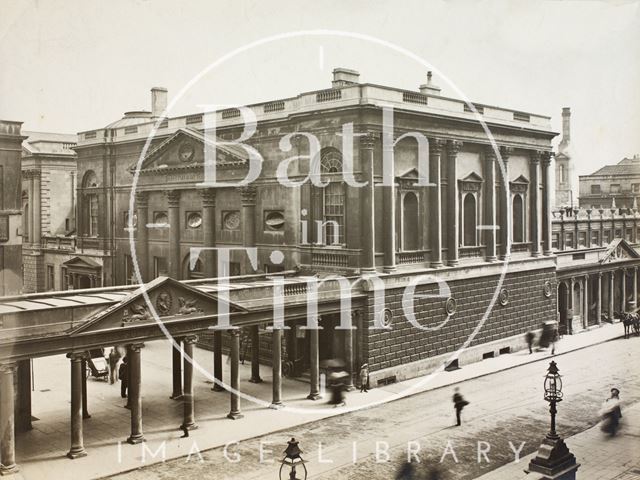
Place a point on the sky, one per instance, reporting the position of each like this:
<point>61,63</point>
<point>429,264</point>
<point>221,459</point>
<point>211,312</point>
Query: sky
<point>73,65</point>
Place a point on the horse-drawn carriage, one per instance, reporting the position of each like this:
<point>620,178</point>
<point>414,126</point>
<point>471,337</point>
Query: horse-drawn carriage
<point>98,365</point>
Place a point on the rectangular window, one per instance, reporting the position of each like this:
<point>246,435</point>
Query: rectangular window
<point>595,189</point>
<point>93,215</point>
<point>606,238</point>
<point>50,278</point>
<point>333,214</point>
<point>595,239</point>
<point>160,268</point>
<point>568,240</point>
<point>614,188</point>
<point>618,233</point>
<point>582,239</point>
<point>635,187</point>
<point>555,240</point>
<point>64,281</point>
<point>628,235</point>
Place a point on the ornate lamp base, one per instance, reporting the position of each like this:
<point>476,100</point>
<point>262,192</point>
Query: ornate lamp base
<point>554,460</point>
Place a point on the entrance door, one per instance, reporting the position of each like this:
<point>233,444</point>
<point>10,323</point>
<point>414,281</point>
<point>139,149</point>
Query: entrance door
<point>563,308</point>
<point>83,281</point>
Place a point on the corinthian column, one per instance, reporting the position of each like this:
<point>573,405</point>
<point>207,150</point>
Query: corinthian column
<point>208,196</point>
<point>142,235</point>
<point>435,152</point>
<point>77,444</point>
<point>453,234</point>
<point>505,218</point>
<point>368,260</point>
<point>248,199</point>
<point>534,162</point>
<point>490,205</point>
<point>546,205</point>
<point>173,196</point>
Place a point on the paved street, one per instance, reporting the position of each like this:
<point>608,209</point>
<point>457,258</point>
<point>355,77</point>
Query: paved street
<point>515,412</point>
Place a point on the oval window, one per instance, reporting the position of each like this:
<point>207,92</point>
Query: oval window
<point>161,218</point>
<point>274,220</point>
<point>194,220</point>
<point>231,220</point>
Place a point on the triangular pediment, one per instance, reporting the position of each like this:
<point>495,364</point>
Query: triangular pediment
<point>185,150</point>
<point>171,300</point>
<point>519,185</point>
<point>471,183</point>
<point>619,250</point>
<point>79,262</point>
<point>472,177</point>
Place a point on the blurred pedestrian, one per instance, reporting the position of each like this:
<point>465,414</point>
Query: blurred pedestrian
<point>529,337</point>
<point>434,473</point>
<point>185,431</point>
<point>114,357</point>
<point>458,404</point>
<point>611,413</point>
<point>407,471</point>
<point>123,373</point>
<point>364,378</point>
<point>336,383</point>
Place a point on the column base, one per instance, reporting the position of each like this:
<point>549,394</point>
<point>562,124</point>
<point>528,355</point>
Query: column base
<point>491,259</point>
<point>367,271</point>
<point>389,269</point>
<point>76,453</point>
<point>547,253</point>
<point>136,439</point>
<point>86,415</point>
<point>535,254</point>
<point>437,264</point>
<point>255,380</point>
<point>189,426</point>
<point>176,396</point>
<point>235,415</point>
<point>504,257</point>
<point>276,406</point>
<point>9,469</point>
<point>314,396</point>
<point>453,263</point>
<point>217,388</point>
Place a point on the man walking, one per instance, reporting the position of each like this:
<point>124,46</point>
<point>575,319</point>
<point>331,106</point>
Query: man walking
<point>114,357</point>
<point>364,378</point>
<point>123,373</point>
<point>529,337</point>
<point>458,403</point>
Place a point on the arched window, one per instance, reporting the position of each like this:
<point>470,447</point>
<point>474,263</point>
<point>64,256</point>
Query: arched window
<point>329,201</point>
<point>90,209</point>
<point>518,218</point>
<point>25,216</point>
<point>469,220</point>
<point>410,238</point>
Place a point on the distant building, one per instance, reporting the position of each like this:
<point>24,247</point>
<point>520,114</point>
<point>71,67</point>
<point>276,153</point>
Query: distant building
<point>10,213</point>
<point>48,206</point>
<point>619,183</point>
<point>564,164</point>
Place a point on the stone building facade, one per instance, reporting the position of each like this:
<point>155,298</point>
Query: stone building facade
<point>48,206</point>
<point>10,211</point>
<point>612,186</point>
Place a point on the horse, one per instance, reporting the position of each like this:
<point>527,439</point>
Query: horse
<point>631,320</point>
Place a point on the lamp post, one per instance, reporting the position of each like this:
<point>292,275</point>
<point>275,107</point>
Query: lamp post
<point>292,459</point>
<point>553,460</point>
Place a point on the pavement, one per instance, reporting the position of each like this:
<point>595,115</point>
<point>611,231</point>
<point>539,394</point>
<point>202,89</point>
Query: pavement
<point>600,457</point>
<point>41,452</point>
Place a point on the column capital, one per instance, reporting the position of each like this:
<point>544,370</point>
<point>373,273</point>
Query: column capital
<point>599,275</point>
<point>190,339</point>
<point>489,153</point>
<point>136,347</point>
<point>453,147</point>
<point>8,367</point>
<point>534,156</point>
<point>142,199</point>
<point>436,145</point>
<point>368,140</point>
<point>77,356</point>
<point>173,196</point>
<point>546,158</point>
<point>208,196</point>
<point>248,195</point>
<point>234,332</point>
<point>505,152</point>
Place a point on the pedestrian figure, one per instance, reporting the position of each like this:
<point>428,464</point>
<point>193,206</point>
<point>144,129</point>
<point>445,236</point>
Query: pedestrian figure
<point>114,357</point>
<point>407,471</point>
<point>123,373</point>
<point>611,413</point>
<point>529,338</point>
<point>364,378</point>
<point>434,473</point>
<point>555,336</point>
<point>337,389</point>
<point>458,403</point>
<point>185,431</point>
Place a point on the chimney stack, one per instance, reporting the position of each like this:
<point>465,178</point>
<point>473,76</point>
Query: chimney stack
<point>158,101</point>
<point>430,88</point>
<point>566,124</point>
<point>343,77</point>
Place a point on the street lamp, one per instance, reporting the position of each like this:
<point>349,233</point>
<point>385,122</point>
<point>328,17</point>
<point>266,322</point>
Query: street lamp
<point>293,459</point>
<point>554,460</point>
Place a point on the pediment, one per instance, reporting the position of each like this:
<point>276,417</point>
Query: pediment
<point>171,300</point>
<point>408,178</point>
<point>79,262</point>
<point>519,185</point>
<point>471,183</point>
<point>185,150</point>
<point>619,250</point>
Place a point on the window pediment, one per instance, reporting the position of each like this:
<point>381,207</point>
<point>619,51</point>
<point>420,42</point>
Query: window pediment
<point>519,185</point>
<point>471,183</point>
